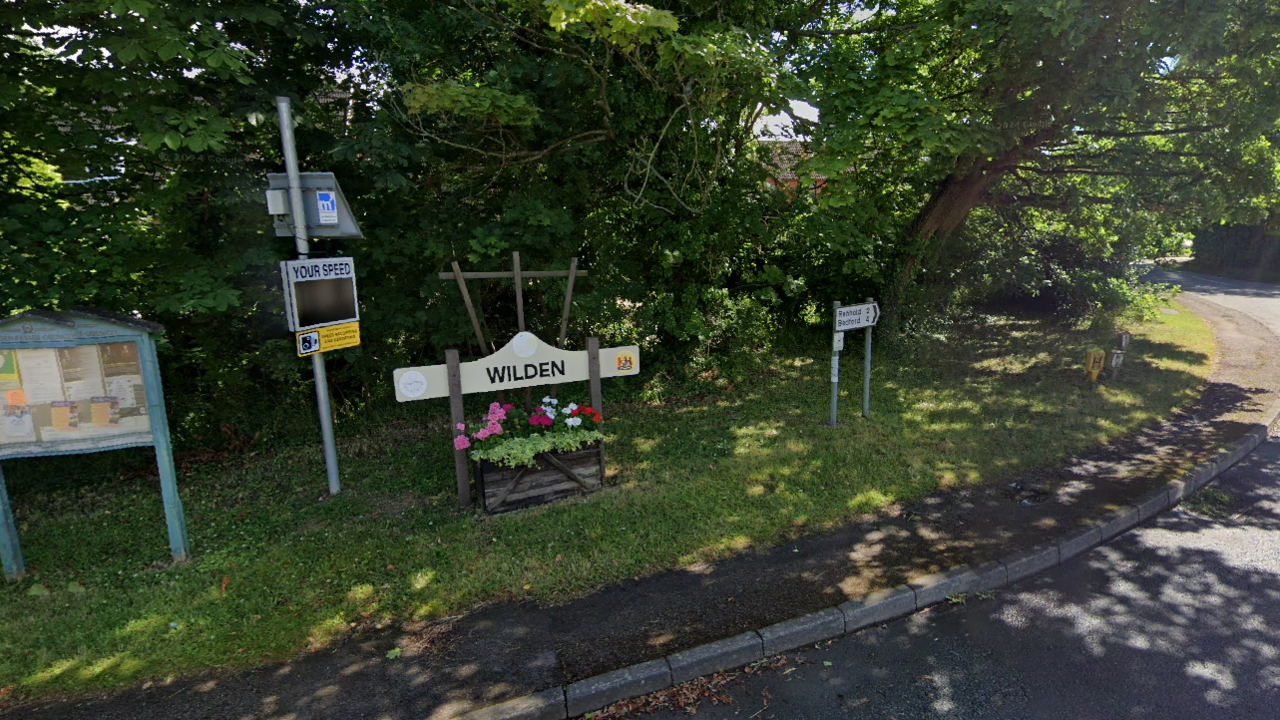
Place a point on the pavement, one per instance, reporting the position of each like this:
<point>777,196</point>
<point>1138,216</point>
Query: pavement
<point>1178,619</point>
<point>505,652</point>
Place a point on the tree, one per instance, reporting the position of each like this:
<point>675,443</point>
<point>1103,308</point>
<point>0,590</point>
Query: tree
<point>932,109</point>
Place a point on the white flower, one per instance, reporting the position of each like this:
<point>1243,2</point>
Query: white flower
<point>551,413</point>
<point>572,407</point>
<point>546,400</point>
<point>573,421</point>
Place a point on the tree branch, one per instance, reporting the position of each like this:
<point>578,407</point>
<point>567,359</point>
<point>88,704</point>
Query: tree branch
<point>1151,133</point>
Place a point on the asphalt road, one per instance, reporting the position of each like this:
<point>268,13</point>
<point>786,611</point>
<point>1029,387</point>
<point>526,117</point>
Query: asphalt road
<point>1178,619</point>
<point>1260,300</point>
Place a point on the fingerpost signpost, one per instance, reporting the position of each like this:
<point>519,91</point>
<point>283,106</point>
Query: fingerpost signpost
<point>852,317</point>
<point>320,294</point>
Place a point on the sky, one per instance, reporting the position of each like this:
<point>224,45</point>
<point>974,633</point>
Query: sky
<point>780,125</point>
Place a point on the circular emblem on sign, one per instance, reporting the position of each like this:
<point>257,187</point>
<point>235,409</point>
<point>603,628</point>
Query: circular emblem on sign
<point>525,344</point>
<point>412,384</point>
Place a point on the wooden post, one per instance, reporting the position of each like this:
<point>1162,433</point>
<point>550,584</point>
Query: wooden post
<point>515,273</point>
<point>456,417</point>
<point>568,301</point>
<point>593,370</point>
<point>597,403</point>
<point>519,281</point>
<point>564,317</point>
<point>10,548</point>
<point>471,310</point>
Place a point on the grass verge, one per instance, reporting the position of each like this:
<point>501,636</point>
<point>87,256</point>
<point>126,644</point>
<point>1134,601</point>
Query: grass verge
<point>280,567</point>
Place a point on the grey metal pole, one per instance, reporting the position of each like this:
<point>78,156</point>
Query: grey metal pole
<point>866,374</point>
<point>326,423</point>
<point>285,115</point>
<point>835,365</point>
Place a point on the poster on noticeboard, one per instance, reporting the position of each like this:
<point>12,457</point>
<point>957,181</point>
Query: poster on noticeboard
<point>84,396</point>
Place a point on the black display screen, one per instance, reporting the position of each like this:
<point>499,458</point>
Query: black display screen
<point>325,301</point>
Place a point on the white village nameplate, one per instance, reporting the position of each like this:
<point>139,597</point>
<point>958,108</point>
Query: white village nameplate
<point>524,362</point>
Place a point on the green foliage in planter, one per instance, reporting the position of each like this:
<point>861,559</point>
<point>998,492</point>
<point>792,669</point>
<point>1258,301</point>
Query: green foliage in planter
<point>521,451</point>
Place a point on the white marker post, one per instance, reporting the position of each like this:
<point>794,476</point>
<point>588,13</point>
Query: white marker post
<point>837,344</point>
<point>852,317</point>
<point>300,241</point>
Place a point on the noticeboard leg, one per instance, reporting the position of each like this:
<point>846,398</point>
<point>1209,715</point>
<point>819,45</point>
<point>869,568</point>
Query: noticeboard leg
<point>174,517</point>
<point>10,548</point>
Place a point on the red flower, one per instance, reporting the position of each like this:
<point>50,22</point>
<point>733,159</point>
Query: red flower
<point>587,410</point>
<point>575,412</point>
<point>597,418</point>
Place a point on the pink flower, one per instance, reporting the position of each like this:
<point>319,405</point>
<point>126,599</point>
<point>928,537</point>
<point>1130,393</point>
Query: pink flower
<point>494,427</point>
<point>546,421</point>
<point>481,434</point>
<point>533,419</point>
<point>461,442</point>
<point>461,426</point>
<point>508,406</point>
<point>494,407</point>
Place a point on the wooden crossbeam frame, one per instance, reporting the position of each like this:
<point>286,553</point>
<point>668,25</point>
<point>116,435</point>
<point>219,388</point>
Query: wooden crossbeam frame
<point>518,276</point>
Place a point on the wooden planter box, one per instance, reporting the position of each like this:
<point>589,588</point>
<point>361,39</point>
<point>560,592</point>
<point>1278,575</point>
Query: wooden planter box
<point>557,475</point>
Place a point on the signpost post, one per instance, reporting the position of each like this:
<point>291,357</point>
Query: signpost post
<point>331,218</point>
<point>852,317</point>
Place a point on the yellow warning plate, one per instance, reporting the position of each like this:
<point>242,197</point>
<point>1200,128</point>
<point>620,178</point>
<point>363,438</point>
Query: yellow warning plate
<point>326,339</point>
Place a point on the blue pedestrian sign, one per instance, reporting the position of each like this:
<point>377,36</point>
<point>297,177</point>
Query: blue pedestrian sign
<point>327,205</point>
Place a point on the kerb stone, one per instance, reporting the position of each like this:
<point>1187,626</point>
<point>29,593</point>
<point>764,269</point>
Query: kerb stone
<point>1154,502</point>
<point>601,690</point>
<point>1026,564</point>
<point>1078,542</point>
<point>713,657</point>
<point>805,630</point>
<point>1119,521</point>
<point>991,576</point>
<point>935,588</point>
<point>878,607</point>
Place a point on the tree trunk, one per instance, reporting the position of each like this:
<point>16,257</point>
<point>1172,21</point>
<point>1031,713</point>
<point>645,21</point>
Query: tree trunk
<point>946,211</point>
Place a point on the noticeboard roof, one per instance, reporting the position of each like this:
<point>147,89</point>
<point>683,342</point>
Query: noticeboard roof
<point>68,318</point>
